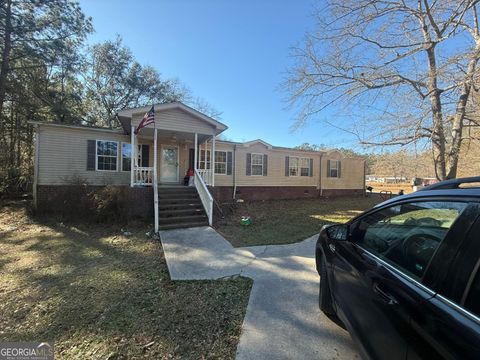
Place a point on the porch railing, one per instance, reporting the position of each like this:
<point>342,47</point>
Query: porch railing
<point>206,176</point>
<point>205,196</point>
<point>143,176</point>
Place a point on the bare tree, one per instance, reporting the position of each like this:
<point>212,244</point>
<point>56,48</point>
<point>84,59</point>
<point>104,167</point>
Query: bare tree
<point>403,70</point>
<point>402,163</point>
<point>205,107</point>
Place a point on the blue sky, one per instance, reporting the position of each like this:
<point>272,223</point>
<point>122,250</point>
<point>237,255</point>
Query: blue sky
<point>234,54</point>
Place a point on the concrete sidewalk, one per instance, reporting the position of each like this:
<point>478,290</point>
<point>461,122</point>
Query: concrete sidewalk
<point>282,320</point>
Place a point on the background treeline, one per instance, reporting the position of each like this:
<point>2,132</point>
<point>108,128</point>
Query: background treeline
<point>49,73</point>
<point>403,162</point>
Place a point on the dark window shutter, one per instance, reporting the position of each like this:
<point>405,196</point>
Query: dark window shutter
<point>265,164</point>
<point>328,168</point>
<point>229,163</point>
<point>339,171</point>
<point>287,165</point>
<point>248,171</point>
<point>91,145</point>
<point>145,155</point>
<point>311,167</point>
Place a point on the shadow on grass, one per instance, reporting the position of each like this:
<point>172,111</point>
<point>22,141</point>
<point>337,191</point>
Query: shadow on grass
<point>97,293</point>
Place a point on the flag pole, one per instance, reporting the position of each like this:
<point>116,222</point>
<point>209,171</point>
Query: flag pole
<point>155,182</point>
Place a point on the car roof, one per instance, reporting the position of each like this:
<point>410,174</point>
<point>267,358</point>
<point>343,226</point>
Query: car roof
<point>459,192</point>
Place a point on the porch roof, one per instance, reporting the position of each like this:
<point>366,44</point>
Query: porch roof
<point>168,136</point>
<point>125,116</point>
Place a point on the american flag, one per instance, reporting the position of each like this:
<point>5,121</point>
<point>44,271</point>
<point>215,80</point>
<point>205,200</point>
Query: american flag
<point>148,118</point>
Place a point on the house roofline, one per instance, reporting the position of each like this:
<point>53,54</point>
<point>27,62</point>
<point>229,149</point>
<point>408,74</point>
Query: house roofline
<point>244,144</point>
<point>272,147</point>
<point>269,146</point>
<point>175,105</point>
<point>79,127</point>
<point>256,141</point>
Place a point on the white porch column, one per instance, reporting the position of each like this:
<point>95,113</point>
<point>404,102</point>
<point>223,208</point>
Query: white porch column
<point>213,162</point>
<point>155,182</point>
<point>195,156</point>
<point>132,155</point>
<point>204,156</point>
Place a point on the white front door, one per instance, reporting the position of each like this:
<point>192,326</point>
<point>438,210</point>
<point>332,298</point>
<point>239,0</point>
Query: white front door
<point>169,164</point>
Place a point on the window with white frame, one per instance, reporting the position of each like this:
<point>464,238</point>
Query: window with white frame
<point>304,167</point>
<point>257,164</point>
<point>201,164</point>
<point>221,162</point>
<point>107,155</point>
<point>293,166</point>
<point>299,166</point>
<point>127,156</point>
<point>334,165</point>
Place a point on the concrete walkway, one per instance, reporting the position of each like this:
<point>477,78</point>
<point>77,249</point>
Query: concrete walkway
<point>282,320</point>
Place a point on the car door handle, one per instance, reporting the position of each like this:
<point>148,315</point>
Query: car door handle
<point>388,298</point>
<point>331,247</point>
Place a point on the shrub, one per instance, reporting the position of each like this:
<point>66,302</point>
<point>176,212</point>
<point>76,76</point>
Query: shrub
<point>109,204</point>
<point>83,202</point>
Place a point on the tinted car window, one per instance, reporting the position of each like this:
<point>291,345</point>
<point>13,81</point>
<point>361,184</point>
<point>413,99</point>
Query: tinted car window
<point>472,302</point>
<point>407,235</point>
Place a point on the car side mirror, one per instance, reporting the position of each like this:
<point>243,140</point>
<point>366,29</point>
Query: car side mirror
<point>337,232</point>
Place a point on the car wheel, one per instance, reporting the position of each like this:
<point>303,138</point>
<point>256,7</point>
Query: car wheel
<point>325,296</point>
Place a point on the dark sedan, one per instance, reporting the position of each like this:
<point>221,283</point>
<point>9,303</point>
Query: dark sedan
<point>404,277</point>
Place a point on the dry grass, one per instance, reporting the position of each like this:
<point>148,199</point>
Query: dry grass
<point>100,295</point>
<point>287,221</point>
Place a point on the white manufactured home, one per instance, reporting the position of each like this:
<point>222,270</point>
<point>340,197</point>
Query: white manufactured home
<point>154,163</point>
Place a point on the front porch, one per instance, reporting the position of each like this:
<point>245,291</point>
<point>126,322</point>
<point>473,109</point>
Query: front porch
<point>176,141</point>
<point>172,156</point>
<point>163,161</point>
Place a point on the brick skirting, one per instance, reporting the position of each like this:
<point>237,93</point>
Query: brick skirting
<point>255,193</point>
<point>80,201</point>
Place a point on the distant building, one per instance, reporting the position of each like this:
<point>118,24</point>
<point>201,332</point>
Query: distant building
<point>386,179</point>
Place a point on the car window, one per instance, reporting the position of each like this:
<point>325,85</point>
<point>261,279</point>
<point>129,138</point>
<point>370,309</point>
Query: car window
<point>407,235</point>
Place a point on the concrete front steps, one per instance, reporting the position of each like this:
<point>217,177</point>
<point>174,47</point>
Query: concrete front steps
<point>180,207</point>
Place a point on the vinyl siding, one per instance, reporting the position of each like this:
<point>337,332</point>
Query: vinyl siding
<point>177,120</point>
<point>352,171</point>
<point>63,157</point>
<point>275,171</point>
<point>351,176</point>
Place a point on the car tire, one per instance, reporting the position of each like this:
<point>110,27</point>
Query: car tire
<point>325,302</point>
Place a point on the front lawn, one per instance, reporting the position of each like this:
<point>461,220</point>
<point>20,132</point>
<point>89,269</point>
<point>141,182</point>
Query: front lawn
<point>99,294</point>
<point>287,221</point>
